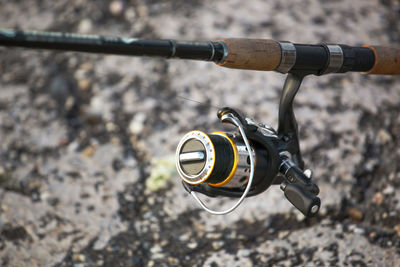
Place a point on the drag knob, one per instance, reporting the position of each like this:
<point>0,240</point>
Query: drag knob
<point>192,157</point>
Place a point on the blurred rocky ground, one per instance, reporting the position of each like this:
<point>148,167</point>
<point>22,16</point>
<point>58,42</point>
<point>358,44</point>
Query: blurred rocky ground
<point>87,141</point>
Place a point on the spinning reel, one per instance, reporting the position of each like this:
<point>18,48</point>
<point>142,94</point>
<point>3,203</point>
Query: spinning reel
<point>247,162</point>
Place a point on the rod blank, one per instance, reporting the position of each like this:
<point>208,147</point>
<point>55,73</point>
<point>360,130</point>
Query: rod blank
<point>208,51</point>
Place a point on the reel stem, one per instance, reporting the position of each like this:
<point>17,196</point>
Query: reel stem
<point>288,128</point>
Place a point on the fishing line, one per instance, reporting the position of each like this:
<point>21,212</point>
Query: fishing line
<point>199,102</point>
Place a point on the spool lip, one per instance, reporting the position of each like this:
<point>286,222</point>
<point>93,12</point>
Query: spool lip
<point>210,158</point>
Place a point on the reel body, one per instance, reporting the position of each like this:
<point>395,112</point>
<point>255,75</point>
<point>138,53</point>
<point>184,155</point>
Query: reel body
<point>247,162</point>
<point>219,163</point>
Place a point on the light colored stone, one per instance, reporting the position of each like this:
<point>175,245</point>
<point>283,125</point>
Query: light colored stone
<point>116,7</point>
<point>388,190</point>
<point>378,198</point>
<point>85,26</point>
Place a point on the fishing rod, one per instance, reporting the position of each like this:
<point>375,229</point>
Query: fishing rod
<point>245,162</point>
<point>237,53</point>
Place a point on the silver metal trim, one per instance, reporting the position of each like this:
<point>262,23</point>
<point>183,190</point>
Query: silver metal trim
<point>283,186</point>
<point>225,52</point>
<point>285,153</point>
<point>9,33</point>
<point>286,161</point>
<point>308,173</point>
<point>314,209</point>
<point>335,58</point>
<point>173,48</point>
<point>191,156</point>
<point>266,130</point>
<point>288,57</point>
<point>212,51</point>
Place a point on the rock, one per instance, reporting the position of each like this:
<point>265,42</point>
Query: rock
<point>358,231</point>
<point>372,235</point>
<point>4,207</point>
<point>130,14</point>
<point>355,214</point>
<point>283,234</point>
<point>217,244</point>
<point>53,201</point>
<point>378,198</point>
<point>173,261</point>
<point>86,66</point>
<point>142,11</point>
<point>88,151</point>
<point>137,123</point>
<point>59,88</point>
<point>397,229</point>
<point>14,232</point>
<point>192,245</point>
<point>384,136</point>
<point>63,141</point>
<point>85,26</point>
<point>199,226</point>
<point>2,171</point>
<point>388,190</point>
<point>326,222</point>
<point>214,235</point>
<point>77,257</point>
<point>5,177</point>
<point>84,84</point>
<point>155,249</point>
<point>116,8</point>
<point>96,105</point>
<point>184,237</point>
<point>244,253</point>
<point>69,103</point>
<point>110,126</point>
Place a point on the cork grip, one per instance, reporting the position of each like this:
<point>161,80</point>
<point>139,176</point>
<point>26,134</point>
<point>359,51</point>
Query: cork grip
<point>387,60</point>
<point>252,54</point>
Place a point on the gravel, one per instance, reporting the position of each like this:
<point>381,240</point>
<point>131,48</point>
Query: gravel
<point>88,140</point>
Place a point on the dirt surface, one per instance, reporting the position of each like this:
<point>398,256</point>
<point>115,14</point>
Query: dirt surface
<point>87,141</point>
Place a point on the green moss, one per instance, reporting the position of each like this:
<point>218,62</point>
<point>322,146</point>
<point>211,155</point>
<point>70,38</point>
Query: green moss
<point>162,171</point>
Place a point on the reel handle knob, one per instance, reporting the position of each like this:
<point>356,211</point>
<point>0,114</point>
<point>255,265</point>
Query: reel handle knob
<point>303,200</point>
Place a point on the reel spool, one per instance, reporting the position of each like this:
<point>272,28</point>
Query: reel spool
<point>218,159</point>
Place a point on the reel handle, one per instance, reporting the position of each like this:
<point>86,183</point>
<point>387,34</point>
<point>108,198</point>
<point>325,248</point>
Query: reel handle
<point>298,187</point>
<point>303,200</point>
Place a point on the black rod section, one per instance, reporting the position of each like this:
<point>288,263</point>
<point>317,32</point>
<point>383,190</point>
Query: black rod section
<point>357,59</point>
<point>207,51</point>
<point>314,59</point>
<point>311,58</point>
